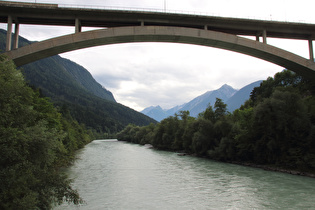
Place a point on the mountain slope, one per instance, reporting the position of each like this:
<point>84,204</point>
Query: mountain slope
<point>85,79</point>
<point>241,96</point>
<point>75,92</point>
<point>195,106</point>
<point>200,103</point>
<point>233,98</point>
<point>155,112</point>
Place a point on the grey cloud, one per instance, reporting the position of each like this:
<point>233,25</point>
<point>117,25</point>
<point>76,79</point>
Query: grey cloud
<point>110,81</point>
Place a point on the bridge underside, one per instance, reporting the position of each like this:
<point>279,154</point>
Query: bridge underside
<point>39,50</point>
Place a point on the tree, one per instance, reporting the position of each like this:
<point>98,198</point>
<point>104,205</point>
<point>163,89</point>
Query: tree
<point>30,141</point>
<point>220,109</point>
<point>282,126</point>
<point>208,114</point>
<point>203,139</point>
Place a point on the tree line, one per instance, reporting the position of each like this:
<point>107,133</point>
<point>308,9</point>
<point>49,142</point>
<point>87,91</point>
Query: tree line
<point>35,142</point>
<point>276,127</point>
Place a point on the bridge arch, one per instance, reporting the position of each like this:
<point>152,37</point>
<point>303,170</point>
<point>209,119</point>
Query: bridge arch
<point>54,46</point>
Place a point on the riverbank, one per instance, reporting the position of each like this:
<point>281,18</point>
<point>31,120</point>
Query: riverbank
<point>264,167</point>
<point>275,169</point>
<point>253,165</point>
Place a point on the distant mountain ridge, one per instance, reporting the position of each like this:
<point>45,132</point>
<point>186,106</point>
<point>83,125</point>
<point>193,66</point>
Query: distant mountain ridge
<point>200,103</point>
<point>232,97</point>
<point>155,112</point>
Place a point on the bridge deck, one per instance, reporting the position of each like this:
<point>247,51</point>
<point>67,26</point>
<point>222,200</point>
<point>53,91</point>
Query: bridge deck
<point>51,14</point>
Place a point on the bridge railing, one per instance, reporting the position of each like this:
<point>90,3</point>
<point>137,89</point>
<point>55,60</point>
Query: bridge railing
<point>168,11</point>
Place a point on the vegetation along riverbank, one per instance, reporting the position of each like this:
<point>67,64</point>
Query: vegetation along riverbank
<point>35,142</point>
<point>274,129</point>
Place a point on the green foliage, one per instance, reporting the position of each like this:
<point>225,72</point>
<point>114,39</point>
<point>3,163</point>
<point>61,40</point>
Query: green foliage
<point>275,127</point>
<point>34,141</point>
<point>220,109</point>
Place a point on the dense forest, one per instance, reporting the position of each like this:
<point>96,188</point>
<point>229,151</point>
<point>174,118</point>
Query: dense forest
<point>35,141</point>
<point>275,127</point>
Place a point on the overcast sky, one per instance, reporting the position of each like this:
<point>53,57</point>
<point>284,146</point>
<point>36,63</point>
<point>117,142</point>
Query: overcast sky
<point>149,74</point>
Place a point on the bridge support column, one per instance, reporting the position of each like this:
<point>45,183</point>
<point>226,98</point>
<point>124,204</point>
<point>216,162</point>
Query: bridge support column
<point>310,46</point>
<point>78,27</point>
<point>9,34</point>
<point>16,36</point>
<point>264,35</point>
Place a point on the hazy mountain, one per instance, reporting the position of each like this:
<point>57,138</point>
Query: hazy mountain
<point>241,96</point>
<point>195,106</point>
<point>233,98</point>
<point>74,91</point>
<point>200,103</point>
<point>155,112</point>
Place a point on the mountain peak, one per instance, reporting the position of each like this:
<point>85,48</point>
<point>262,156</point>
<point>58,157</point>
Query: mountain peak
<point>200,103</point>
<point>226,86</point>
<point>155,112</point>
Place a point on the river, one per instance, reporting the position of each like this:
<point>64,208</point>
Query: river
<point>117,175</point>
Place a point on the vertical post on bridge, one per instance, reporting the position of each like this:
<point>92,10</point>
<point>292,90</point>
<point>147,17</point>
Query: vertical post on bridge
<point>310,46</point>
<point>9,34</point>
<point>16,36</point>
<point>264,35</point>
<point>78,27</point>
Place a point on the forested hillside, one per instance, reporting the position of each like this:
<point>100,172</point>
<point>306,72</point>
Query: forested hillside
<point>75,92</point>
<point>35,141</point>
<point>275,127</point>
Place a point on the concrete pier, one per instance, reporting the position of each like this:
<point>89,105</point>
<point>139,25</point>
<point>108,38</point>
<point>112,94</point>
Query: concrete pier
<point>78,27</point>
<point>264,35</point>
<point>9,34</point>
<point>16,36</point>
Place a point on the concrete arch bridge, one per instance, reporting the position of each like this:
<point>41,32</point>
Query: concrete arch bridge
<point>122,26</point>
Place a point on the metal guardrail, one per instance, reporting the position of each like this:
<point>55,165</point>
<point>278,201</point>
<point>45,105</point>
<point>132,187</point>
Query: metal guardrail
<point>167,11</point>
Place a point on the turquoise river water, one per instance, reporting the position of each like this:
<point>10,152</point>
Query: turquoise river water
<point>117,175</point>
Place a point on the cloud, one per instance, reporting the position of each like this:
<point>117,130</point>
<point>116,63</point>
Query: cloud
<point>145,74</point>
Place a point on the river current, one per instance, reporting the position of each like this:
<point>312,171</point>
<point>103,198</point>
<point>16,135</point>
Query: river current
<point>117,175</point>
